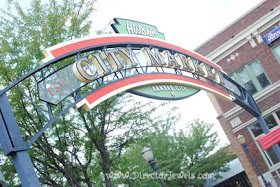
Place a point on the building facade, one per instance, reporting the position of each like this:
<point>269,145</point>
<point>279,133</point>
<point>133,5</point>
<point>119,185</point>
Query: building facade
<point>248,50</point>
<point>235,177</point>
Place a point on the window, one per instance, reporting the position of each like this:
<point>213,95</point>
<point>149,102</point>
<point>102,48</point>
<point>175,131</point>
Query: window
<point>272,156</point>
<point>278,114</point>
<point>276,52</point>
<point>252,77</point>
<point>272,121</point>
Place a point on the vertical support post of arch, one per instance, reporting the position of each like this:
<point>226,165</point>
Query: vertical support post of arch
<point>246,101</point>
<point>13,145</point>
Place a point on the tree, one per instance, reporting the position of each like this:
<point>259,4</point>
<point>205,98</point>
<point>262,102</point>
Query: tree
<point>183,158</point>
<point>114,125</point>
<point>80,145</point>
<point>81,148</point>
<point>23,34</point>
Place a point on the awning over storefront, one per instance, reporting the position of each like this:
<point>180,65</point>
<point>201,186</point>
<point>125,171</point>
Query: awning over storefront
<point>269,139</point>
<point>235,169</point>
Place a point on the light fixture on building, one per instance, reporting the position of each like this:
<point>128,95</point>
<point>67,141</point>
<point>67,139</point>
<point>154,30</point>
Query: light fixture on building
<point>242,141</point>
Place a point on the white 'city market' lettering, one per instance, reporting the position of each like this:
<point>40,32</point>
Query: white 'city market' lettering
<point>112,60</point>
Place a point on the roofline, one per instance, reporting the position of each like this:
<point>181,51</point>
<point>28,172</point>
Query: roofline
<point>235,21</point>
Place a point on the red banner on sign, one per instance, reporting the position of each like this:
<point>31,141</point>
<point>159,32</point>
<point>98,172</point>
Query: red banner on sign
<point>270,139</point>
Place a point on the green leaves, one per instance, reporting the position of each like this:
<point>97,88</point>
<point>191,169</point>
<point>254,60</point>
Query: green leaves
<point>25,33</point>
<point>84,148</point>
<point>62,155</point>
<point>182,157</point>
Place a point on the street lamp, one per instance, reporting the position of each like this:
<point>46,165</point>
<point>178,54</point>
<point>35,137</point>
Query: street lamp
<point>149,156</point>
<point>242,141</point>
<point>2,181</point>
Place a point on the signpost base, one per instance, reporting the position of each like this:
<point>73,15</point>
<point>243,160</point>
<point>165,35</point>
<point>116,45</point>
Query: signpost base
<point>25,169</point>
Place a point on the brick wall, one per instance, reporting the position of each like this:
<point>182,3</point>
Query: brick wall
<point>275,176</point>
<point>237,27</point>
<point>238,150</point>
<point>263,105</point>
<point>246,54</point>
<point>254,150</point>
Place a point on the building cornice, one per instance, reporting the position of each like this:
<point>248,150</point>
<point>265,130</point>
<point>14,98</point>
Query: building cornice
<point>235,21</point>
<point>253,120</point>
<point>234,112</point>
<point>242,38</point>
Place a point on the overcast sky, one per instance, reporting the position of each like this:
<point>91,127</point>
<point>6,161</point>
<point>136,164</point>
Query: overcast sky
<point>186,23</point>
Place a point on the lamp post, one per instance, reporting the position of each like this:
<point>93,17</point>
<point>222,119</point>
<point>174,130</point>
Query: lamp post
<point>2,181</point>
<point>242,141</point>
<point>149,156</point>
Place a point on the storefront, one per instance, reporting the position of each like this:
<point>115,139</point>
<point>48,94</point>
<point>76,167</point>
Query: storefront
<point>248,50</point>
<point>235,177</point>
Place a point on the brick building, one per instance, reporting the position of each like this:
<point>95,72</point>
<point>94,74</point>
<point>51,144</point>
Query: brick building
<point>244,53</point>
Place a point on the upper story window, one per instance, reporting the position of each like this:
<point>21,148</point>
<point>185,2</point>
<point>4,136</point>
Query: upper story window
<point>252,77</point>
<point>276,52</point>
<point>273,121</point>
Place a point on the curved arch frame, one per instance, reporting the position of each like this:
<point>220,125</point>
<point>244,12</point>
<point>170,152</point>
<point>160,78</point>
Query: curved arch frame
<point>100,95</point>
<point>11,139</point>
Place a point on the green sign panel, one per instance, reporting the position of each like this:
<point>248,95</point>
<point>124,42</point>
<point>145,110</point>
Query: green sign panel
<point>162,92</point>
<point>165,92</point>
<point>126,26</point>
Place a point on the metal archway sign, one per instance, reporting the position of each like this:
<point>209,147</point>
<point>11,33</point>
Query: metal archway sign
<point>87,71</point>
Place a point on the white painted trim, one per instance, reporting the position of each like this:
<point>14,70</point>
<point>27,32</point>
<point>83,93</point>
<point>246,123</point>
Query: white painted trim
<point>274,167</point>
<point>260,25</point>
<point>258,97</point>
<point>233,112</point>
<point>251,40</point>
<point>267,92</point>
<point>239,18</point>
<point>262,152</point>
<point>253,120</point>
<point>258,37</point>
<point>266,160</point>
<point>89,106</point>
<point>268,176</point>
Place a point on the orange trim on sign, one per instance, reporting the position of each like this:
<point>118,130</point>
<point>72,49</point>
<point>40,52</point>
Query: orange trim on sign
<point>63,49</point>
<point>146,77</point>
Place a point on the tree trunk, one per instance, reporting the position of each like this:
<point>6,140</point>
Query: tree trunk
<point>106,166</point>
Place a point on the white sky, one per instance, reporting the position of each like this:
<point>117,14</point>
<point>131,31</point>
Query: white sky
<point>184,23</point>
